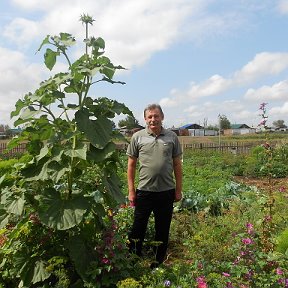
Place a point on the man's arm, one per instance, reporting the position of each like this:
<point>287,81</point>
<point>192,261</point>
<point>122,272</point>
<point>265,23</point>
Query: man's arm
<point>177,165</point>
<point>131,171</point>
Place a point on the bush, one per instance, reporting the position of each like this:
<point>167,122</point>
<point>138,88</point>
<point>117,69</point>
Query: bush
<point>267,161</point>
<point>282,243</point>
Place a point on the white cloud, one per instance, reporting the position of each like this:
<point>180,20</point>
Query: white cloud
<point>131,29</point>
<point>278,113</point>
<point>18,77</point>
<point>283,6</point>
<point>21,31</point>
<point>278,91</point>
<point>191,109</point>
<point>214,85</point>
<point>263,64</point>
<point>167,102</point>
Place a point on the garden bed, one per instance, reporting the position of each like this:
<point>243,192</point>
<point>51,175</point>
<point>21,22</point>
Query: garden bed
<point>263,183</point>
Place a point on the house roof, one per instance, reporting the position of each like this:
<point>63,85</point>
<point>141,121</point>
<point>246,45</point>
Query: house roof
<point>191,126</point>
<point>239,126</point>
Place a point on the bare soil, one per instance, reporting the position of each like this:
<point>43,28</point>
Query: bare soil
<point>264,184</point>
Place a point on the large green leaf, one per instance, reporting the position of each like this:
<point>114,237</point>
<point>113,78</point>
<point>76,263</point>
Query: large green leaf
<point>50,58</point>
<point>47,168</point>
<point>44,42</point>
<point>77,153</point>
<point>43,152</point>
<point>59,213</point>
<point>98,131</point>
<point>80,255</point>
<point>67,39</point>
<point>19,105</point>
<point>28,113</point>
<point>13,200</point>
<point>99,155</point>
<point>108,70</point>
<point>100,43</point>
<point>34,170</point>
<point>31,269</point>
<point>4,217</point>
<point>113,186</point>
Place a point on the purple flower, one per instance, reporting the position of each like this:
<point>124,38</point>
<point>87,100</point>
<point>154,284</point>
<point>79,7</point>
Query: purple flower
<point>249,228</point>
<point>247,241</point>
<point>262,106</point>
<point>105,260</point>
<point>167,283</point>
<point>263,122</point>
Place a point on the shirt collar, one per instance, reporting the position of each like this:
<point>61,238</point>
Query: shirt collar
<point>150,132</point>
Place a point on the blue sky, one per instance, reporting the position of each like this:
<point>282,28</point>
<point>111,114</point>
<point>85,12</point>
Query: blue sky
<point>196,58</point>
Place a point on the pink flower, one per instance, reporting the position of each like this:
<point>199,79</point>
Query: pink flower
<point>263,122</point>
<point>105,260</point>
<point>226,274</point>
<point>247,241</point>
<point>201,282</point>
<point>279,271</point>
<point>202,285</point>
<point>249,228</point>
<point>268,218</point>
<point>282,189</point>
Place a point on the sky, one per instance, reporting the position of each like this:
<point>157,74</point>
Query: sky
<point>198,59</point>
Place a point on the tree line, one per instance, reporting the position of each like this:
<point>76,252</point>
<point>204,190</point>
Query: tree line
<point>131,122</point>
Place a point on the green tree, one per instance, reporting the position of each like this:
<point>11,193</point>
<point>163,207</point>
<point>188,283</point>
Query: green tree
<point>224,122</point>
<point>56,203</point>
<point>129,122</point>
<point>4,128</point>
<point>279,124</point>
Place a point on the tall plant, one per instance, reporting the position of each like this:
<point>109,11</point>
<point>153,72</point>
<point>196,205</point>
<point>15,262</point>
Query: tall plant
<point>52,207</point>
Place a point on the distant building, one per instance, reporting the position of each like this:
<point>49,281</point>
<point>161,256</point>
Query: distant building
<point>196,130</point>
<point>239,129</point>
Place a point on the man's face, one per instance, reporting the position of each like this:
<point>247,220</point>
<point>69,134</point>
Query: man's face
<point>153,119</point>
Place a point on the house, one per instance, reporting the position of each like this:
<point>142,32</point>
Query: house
<point>196,130</point>
<point>239,129</point>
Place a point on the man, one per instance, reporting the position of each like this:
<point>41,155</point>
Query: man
<point>159,153</point>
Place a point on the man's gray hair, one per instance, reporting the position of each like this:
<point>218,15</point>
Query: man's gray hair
<point>152,107</point>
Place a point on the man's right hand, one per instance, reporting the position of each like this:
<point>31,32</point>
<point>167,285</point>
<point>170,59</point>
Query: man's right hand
<point>132,198</point>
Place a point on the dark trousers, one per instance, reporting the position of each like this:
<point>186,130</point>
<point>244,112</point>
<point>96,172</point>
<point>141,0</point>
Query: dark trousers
<point>161,204</point>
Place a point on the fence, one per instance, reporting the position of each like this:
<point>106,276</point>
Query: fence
<point>233,147</point>
<point>19,149</point>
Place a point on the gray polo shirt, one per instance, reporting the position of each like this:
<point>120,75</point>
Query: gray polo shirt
<point>155,156</point>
